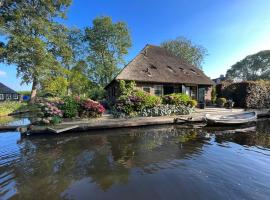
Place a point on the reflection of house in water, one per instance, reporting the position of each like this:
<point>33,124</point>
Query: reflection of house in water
<point>107,159</point>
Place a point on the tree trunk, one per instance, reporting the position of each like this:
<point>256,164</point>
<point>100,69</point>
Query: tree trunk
<point>34,91</point>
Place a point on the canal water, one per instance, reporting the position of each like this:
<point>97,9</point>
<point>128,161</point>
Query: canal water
<point>162,162</point>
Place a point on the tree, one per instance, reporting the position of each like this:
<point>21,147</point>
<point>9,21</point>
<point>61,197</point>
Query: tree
<point>108,42</point>
<point>253,67</point>
<point>183,48</point>
<point>79,82</point>
<point>77,65</point>
<point>35,41</point>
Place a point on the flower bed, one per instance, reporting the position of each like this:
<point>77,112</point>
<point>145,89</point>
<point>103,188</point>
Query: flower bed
<point>68,107</point>
<point>140,103</point>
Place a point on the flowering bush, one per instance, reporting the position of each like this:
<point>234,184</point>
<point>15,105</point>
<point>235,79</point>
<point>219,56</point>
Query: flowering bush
<point>90,108</point>
<point>49,113</point>
<point>128,105</point>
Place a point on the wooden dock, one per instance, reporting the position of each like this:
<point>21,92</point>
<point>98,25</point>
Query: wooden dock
<point>107,122</point>
<point>85,125</point>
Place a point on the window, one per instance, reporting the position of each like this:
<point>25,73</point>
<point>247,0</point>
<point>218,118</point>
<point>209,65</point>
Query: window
<point>15,96</point>
<point>188,91</point>
<point>8,96</point>
<point>1,96</point>
<point>146,89</point>
<point>158,90</point>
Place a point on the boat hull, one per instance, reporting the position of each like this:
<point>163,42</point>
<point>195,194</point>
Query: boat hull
<point>231,120</point>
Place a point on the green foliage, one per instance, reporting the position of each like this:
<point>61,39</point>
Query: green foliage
<point>253,67</point>
<point>108,43</point>
<point>57,86</point>
<point>213,95</point>
<point>9,107</point>
<point>176,99</point>
<point>36,42</point>
<point>56,120</point>
<point>70,107</point>
<point>247,94</point>
<point>221,102</point>
<point>97,93</point>
<point>192,103</point>
<point>79,83</point>
<point>165,110</point>
<point>26,93</point>
<point>147,100</point>
<point>126,88</point>
<point>183,48</point>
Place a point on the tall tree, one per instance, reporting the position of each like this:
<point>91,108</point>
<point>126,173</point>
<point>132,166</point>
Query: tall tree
<point>35,41</point>
<point>108,43</point>
<point>253,67</point>
<point>183,48</point>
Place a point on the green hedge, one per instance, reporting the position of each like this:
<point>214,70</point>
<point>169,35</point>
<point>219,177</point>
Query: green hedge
<point>248,94</point>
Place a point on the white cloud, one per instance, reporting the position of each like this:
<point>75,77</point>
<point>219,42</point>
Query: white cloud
<point>3,73</point>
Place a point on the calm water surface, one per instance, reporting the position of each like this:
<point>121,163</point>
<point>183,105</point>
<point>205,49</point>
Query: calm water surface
<point>165,162</point>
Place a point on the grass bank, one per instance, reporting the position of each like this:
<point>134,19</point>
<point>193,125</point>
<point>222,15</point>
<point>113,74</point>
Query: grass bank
<point>12,107</point>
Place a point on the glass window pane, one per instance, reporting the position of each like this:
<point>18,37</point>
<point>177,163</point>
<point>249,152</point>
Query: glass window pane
<point>146,89</point>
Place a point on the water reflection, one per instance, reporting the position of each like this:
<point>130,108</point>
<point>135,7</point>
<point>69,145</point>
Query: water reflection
<point>111,162</point>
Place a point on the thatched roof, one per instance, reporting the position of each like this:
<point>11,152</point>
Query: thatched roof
<point>6,90</point>
<point>156,64</point>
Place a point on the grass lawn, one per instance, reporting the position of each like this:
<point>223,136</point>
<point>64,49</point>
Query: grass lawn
<point>9,107</point>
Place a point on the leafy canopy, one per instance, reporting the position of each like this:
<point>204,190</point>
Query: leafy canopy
<point>253,67</point>
<point>36,43</point>
<point>108,42</point>
<point>183,48</point>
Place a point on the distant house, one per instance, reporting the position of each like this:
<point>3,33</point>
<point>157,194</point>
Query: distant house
<point>158,72</point>
<point>219,79</point>
<point>7,94</point>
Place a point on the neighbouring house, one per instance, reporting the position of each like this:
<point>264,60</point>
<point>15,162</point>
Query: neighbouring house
<point>219,79</point>
<point>7,94</point>
<point>158,72</point>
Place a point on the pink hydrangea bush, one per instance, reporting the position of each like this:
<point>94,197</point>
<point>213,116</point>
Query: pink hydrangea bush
<point>49,113</point>
<point>89,108</point>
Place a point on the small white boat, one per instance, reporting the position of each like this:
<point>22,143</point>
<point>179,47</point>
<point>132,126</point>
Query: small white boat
<point>234,119</point>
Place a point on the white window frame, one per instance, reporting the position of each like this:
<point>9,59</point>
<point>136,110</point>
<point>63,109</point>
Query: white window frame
<point>8,96</point>
<point>15,96</point>
<point>156,88</point>
<point>2,97</point>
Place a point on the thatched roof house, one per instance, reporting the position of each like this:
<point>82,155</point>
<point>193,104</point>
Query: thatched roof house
<point>7,94</point>
<point>157,71</point>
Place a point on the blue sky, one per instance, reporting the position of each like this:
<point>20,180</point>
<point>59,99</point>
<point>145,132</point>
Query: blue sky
<point>228,29</point>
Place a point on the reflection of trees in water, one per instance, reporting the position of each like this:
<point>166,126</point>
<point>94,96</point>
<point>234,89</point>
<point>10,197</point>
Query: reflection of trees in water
<point>249,139</point>
<point>147,147</point>
<point>259,138</point>
<point>50,165</point>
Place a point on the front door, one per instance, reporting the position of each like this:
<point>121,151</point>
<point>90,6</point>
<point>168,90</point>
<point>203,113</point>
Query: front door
<point>201,95</point>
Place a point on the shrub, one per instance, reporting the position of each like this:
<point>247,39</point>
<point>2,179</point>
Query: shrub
<point>48,113</point>
<point>147,100</point>
<point>213,95</point>
<point>165,110</point>
<point>192,103</point>
<point>128,104</point>
<point>221,102</point>
<point>70,107</point>
<point>90,108</point>
<point>247,94</point>
<point>176,99</point>
<point>126,88</point>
